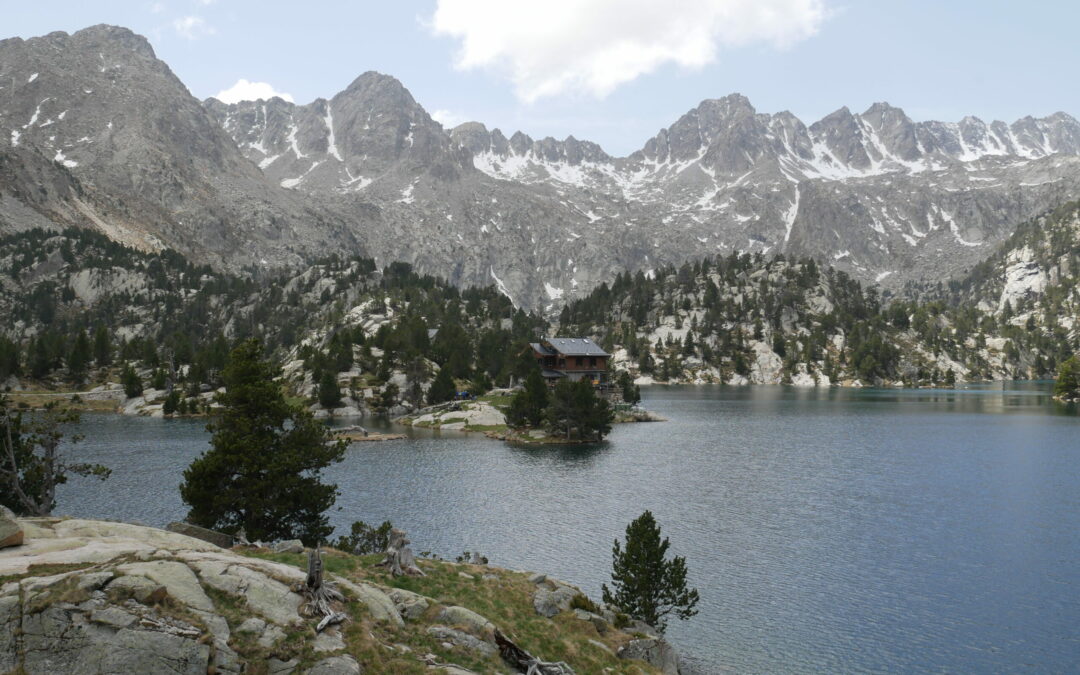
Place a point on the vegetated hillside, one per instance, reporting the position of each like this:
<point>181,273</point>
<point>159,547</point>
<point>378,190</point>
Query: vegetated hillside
<point>78,290</point>
<point>1034,274</point>
<point>747,318</point>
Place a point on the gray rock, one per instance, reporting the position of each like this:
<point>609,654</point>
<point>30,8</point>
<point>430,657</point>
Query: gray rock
<point>224,659</point>
<point>550,601</point>
<point>410,605</point>
<point>268,597</point>
<point>656,652</point>
<point>271,636</point>
<point>336,665</point>
<point>463,640</point>
<point>371,160</point>
<point>253,625</point>
<point>639,626</point>
<point>10,617</point>
<point>216,538</point>
<point>461,616</point>
<point>56,640</point>
<point>290,546</point>
<point>177,577</point>
<point>138,587</point>
<point>328,641</point>
<point>278,667</point>
<point>599,622</point>
<point>537,578</point>
<point>113,616</point>
<point>379,604</point>
<point>11,532</point>
<point>94,580</point>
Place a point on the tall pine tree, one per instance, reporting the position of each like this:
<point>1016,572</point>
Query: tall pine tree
<point>645,584</point>
<point>263,472</point>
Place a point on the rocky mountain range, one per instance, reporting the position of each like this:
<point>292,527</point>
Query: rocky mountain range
<point>95,130</point>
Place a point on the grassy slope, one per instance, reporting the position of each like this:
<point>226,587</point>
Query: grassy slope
<point>506,600</point>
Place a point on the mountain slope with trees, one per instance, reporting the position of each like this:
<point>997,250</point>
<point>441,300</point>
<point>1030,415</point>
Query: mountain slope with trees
<point>748,318</point>
<point>83,306</point>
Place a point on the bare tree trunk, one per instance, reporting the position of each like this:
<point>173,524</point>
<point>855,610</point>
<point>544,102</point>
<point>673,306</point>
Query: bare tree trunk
<point>13,472</point>
<point>321,594</point>
<point>399,557</point>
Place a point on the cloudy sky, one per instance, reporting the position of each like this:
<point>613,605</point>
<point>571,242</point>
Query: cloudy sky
<point>612,71</point>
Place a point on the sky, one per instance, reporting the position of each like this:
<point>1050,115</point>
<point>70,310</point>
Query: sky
<point>611,71</point>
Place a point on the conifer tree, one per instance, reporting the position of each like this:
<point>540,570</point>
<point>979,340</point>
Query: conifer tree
<point>263,471</point>
<point>645,584</point>
<point>132,382</point>
<point>329,391</point>
<point>79,358</point>
<point>102,347</point>
<point>442,388</point>
<point>528,405</point>
<point>575,406</point>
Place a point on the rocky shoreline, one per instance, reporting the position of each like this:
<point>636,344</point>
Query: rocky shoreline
<point>94,596</point>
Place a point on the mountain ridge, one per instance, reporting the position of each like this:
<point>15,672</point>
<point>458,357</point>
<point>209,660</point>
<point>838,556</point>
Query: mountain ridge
<point>367,170</point>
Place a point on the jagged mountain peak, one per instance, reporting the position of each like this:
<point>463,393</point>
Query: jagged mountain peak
<point>115,37</point>
<point>153,166</point>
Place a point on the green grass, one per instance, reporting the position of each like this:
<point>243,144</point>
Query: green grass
<point>46,570</point>
<point>500,401</point>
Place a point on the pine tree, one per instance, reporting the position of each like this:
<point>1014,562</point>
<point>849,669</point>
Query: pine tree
<point>645,584</point>
<point>79,358</point>
<point>415,375</point>
<point>172,402</point>
<point>102,347</point>
<point>263,472</point>
<point>442,388</point>
<point>530,403</point>
<point>575,406</point>
<point>132,382</point>
<point>329,391</point>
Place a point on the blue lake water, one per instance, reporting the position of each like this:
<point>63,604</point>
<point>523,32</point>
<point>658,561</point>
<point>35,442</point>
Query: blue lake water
<point>831,530</point>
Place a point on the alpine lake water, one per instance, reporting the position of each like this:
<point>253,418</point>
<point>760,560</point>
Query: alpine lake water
<point>833,530</point>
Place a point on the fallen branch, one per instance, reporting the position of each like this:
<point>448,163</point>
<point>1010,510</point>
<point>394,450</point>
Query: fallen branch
<point>526,662</point>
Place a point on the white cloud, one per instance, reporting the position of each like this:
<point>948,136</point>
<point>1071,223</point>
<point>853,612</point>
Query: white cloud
<point>447,118</point>
<point>550,47</point>
<point>249,91</point>
<point>192,27</point>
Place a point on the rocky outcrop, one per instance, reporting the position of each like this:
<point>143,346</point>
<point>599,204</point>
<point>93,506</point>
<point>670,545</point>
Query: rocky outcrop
<point>552,597</point>
<point>129,598</point>
<point>11,532</point>
<point>654,651</point>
